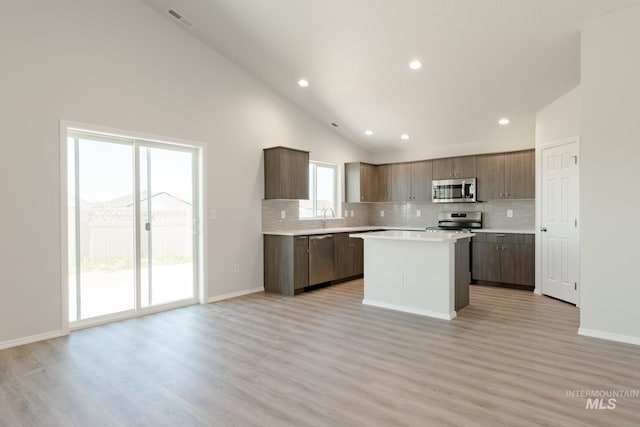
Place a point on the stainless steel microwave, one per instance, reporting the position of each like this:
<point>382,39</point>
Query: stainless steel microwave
<point>454,190</point>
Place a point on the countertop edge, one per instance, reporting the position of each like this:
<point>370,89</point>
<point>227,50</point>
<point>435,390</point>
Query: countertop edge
<point>426,237</point>
<point>333,230</point>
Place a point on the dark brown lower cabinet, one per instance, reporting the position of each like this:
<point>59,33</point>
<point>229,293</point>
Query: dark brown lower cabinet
<point>462,277</point>
<point>286,263</point>
<point>503,259</point>
<point>348,256</point>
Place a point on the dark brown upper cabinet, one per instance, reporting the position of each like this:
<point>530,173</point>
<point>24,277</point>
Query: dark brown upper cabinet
<point>411,181</point>
<point>454,167</point>
<point>361,182</point>
<point>383,183</point>
<point>286,173</point>
<point>506,176</point>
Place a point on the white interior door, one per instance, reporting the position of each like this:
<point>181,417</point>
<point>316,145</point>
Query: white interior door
<point>559,222</point>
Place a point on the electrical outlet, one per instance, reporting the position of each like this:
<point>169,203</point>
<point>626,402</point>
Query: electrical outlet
<point>236,267</point>
<point>283,214</point>
<point>418,213</point>
<point>381,214</point>
<point>346,214</point>
<point>351,213</point>
<point>213,214</point>
<point>509,213</point>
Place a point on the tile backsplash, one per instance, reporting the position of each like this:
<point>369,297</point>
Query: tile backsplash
<point>272,216</point>
<point>400,214</point>
<point>494,214</point>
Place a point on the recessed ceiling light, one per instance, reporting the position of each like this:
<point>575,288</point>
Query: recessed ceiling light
<point>404,137</point>
<point>504,121</point>
<point>368,132</point>
<point>303,83</point>
<point>415,65</point>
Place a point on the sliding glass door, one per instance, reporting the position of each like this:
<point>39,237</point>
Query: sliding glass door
<point>133,226</point>
<point>167,225</point>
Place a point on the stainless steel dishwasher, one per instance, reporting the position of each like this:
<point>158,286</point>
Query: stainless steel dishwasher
<point>321,268</point>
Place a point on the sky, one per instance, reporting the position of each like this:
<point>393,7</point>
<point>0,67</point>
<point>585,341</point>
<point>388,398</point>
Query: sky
<point>106,171</point>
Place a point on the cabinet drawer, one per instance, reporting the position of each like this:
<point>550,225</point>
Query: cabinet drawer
<point>504,238</point>
<point>301,241</point>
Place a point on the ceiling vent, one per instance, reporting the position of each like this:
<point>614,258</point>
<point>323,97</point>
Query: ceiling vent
<point>181,19</point>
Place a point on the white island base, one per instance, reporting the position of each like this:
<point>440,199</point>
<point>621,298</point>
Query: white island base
<point>415,272</point>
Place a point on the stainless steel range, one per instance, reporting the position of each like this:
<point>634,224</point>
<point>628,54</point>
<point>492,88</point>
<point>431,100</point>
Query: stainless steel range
<point>462,222</point>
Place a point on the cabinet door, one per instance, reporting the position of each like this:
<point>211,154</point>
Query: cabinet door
<point>485,261</point>
<point>286,173</point>
<point>421,181</point>
<point>490,174</point>
<point>400,182</point>
<point>357,246</point>
<point>300,262</point>
<point>360,182</point>
<point>517,264</point>
<point>520,175</point>
<point>343,258</point>
<point>443,168</point>
<point>464,167</point>
<point>383,180</point>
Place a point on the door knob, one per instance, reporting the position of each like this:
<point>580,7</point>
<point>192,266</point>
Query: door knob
<point>543,229</point>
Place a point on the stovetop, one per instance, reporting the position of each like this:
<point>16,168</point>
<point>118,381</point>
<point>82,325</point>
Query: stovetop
<point>448,230</point>
<point>458,222</point>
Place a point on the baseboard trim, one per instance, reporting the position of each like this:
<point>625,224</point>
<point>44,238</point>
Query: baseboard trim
<point>412,310</point>
<point>235,294</point>
<point>31,339</point>
<point>627,339</point>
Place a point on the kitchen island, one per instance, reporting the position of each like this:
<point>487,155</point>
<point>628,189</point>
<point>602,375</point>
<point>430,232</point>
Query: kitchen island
<point>424,273</point>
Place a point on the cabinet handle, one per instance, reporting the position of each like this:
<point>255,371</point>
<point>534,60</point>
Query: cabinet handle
<point>506,195</point>
<point>501,235</point>
<point>501,194</point>
<point>503,248</point>
<point>497,248</point>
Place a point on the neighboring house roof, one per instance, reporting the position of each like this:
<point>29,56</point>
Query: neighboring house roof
<point>161,200</point>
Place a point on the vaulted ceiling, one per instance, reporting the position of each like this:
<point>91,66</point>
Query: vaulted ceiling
<point>482,60</point>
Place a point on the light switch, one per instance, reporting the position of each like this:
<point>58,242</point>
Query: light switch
<point>509,213</point>
<point>418,213</point>
<point>381,213</point>
<point>283,214</point>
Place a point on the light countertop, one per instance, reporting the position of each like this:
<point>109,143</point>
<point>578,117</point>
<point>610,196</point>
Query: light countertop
<point>421,236</point>
<point>312,231</point>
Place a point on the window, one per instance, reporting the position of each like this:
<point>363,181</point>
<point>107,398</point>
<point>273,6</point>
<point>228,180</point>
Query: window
<point>323,191</point>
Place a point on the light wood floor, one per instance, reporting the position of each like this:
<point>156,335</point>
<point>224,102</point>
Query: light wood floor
<point>323,359</point>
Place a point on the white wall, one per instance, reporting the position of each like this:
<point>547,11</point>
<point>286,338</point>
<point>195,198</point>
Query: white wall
<point>119,64</point>
<point>610,147</point>
<point>425,151</point>
<point>560,119</point>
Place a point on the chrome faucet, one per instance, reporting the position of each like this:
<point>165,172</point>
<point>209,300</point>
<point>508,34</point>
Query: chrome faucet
<point>324,216</point>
